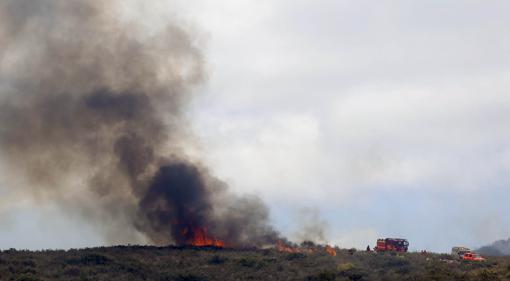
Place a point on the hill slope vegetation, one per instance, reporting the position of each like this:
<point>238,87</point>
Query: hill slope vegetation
<point>200,264</point>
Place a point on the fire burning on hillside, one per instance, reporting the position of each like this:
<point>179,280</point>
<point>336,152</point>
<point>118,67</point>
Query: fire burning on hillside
<point>199,237</point>
<point>330,250</point>
<point>285,247</point>
<point>92,120</point>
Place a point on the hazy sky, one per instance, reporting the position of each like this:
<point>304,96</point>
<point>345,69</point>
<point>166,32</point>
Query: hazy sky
<point>382,118</point>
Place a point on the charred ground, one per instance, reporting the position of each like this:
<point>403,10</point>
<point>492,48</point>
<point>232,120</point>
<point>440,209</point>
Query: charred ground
<point>193,263</point>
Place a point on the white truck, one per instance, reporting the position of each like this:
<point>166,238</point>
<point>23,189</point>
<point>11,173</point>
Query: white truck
<point>459,252</point>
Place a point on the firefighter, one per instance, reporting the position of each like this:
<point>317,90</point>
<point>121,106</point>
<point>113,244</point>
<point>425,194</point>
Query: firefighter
<point>368,248</point>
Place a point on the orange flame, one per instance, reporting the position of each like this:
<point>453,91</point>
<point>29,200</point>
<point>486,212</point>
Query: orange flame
<point>282,247</point>
<point>201,238</point>
<point>330,250</point>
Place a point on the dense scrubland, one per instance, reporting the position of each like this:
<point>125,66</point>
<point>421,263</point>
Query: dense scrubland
<point>196,264</point>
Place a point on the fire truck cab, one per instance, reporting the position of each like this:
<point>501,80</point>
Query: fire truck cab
<point>392,244</point>
<point>470,256</point>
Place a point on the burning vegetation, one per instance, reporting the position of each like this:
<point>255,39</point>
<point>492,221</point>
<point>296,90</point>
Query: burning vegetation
<point>199,237</point>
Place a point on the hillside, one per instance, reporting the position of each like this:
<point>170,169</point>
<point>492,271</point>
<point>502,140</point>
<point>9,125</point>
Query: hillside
<point>196,264</point>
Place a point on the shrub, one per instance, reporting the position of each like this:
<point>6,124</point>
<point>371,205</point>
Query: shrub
<point>488,275</point>
<point>345,266</point>
<point>308,243</point>
<point>396,262</point>
<point>249,262</point>
<point>90,259</point>
<point>354,274</point>
<point>28,263</point>
<point>295,256</point>
<point>189,277</point>
<point>216,259</point>
<point>322,276</point>
<point>27,277</point>
<point>73,272</point>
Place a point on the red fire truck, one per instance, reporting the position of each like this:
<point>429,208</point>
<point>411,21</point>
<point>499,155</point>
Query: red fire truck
<point>471,256</point>
<point>391,244</point>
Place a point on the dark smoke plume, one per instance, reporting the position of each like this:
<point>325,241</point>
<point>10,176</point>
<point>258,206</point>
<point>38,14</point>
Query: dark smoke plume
<point>497,248</point>
<point>91,117</point>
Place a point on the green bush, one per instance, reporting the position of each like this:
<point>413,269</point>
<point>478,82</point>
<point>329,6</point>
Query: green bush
<point>27,277</point>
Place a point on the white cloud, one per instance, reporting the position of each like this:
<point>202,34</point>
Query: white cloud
<point>269,153</point>
<point>397,98</point>
<point>318,102</point>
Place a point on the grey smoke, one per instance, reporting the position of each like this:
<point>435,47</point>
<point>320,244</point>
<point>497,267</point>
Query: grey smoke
<point>91,118</point>
<point>311,226</point>
<point>497,248</point>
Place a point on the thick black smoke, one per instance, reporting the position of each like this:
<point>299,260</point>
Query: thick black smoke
<point>91,107</point>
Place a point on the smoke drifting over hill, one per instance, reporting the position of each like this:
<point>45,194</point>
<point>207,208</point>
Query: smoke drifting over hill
<point>498,248</point>
<point>91,119</point>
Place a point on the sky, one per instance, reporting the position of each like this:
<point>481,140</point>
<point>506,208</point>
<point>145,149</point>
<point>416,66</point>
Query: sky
<point>374,118</point>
